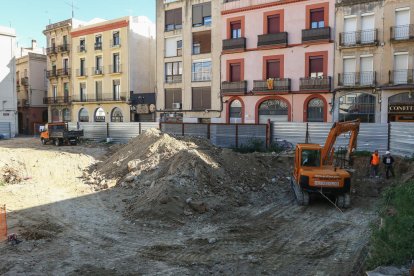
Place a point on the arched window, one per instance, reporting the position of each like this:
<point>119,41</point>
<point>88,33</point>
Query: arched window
<point>100,115</point>
<point>116,115</point>
<point>83,115</point>
<point>316,110</point>
<point>357,106</point>
<point>276,110</point>
<point>66,115</point>
<point>55,115</point>
<point>235,111</point>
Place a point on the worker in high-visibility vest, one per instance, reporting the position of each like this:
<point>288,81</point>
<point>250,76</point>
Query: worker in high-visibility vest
<point>374,163</point>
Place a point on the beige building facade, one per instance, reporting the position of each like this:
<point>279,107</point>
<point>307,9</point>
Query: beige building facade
<point>374,61</point>
<point>188,60</point>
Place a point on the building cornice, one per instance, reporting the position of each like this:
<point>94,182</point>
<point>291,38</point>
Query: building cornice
<point>99,29</point>
<point>261,6</point>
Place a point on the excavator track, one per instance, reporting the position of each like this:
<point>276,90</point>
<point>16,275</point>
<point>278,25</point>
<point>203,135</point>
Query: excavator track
<point>302,197</point>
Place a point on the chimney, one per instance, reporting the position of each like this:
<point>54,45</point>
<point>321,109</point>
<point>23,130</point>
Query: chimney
<point>34,44</point>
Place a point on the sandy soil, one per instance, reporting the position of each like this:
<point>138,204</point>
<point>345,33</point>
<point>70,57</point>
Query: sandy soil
<point>68,228</point>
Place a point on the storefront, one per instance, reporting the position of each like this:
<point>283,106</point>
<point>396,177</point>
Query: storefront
<point>401,108</point>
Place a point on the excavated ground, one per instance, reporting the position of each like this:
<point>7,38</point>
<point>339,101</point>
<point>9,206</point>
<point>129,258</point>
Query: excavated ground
<point>167,206</point>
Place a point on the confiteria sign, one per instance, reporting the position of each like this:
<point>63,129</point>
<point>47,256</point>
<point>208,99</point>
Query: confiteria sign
<point>401,108</point>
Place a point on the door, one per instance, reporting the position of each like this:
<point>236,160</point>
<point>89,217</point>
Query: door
<point>349,36</point>
<point>402,21</point>
<point>235,72</point>
<point>349,72</point>
<point>367,68</point>
<point>367,29</point>
<point>401,68</point>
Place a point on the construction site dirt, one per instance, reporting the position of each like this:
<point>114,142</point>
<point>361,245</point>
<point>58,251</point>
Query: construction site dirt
<point>171,206</point>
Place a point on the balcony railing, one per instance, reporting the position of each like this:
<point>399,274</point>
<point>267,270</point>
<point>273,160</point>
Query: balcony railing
<point>114,43</point>
<point>311,35</point>
<point>201,76</point>
<point>24,81</point>
<point>234,44</point>
<point>115,68</point>
<point>81,48</point>
<point>64,72</point>
<point>107,97</point>
<point>51,50</point>
<point>279,39</point>
<point>398,77</point>
<point>98,45</point>
<point>51,74</point>
<point>318,83</point>
<point>81,73</point>
<point>404,32</point>
<point>23,103</point>
<point>174,79</point>
<point>350,39</point>
<point>275,85</point>
<point>237,87</point>
<point>355,79</point>
<point>57,100</point>
<point>97,70</point>
<point>64,48</point>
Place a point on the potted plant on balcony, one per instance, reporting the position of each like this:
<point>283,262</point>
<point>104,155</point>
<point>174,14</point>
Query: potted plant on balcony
<point>270,83</point>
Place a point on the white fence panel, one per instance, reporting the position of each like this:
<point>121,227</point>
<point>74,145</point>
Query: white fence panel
<point>5,129</point>
<point>402,139</point>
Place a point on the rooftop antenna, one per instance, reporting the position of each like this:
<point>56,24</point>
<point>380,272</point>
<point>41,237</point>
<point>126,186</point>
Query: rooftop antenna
<point>73,7</point>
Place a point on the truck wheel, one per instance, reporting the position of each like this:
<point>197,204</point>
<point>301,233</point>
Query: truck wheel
<point>43,141</point>
<point>57,142</point>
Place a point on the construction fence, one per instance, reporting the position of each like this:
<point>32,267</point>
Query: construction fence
<point>5,130</point>
<point>3,223</point>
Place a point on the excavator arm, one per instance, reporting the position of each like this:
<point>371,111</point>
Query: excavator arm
<point>337,129</point>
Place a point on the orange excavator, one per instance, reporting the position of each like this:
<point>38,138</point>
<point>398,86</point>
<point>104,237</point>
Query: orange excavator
<point>315,172</point>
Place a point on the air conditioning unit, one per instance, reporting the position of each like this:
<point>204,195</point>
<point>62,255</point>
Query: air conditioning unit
<point>176,105</point>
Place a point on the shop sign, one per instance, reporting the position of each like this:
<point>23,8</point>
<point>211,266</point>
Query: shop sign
<point>401,108</point>
<point>142,109</point>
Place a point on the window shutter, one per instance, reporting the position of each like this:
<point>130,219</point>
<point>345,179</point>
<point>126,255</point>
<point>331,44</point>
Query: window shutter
<point>317,15</point>
<point>273,69</point>
<point>169,17</point>
<point>206,97</point>
<point>197,98</point>
<point>235,25</point>
<point>235,72</point>
<point>201,98</point>
<point>178,16</point>
<point>207,9</point>
<point>197,14</point>
<point>273,24</point>
<point>316,64</point>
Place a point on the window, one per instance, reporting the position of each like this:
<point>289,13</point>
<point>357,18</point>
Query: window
<point>401,68</point>
<point>357,106</point>
<point>54,91</point>
<point>66,92</point>
<point>275,110</point>
<point>98,90</point>
<point>116,115</point>
<point>55,115</point>
<point>273,69</point>
<point>402,24</point>
<point>173,19</point>
<point>98,42</point>
<point>82,71</point>
<point>349,71</point>
<point>273,24</point>
<point>201,98</point>
<point>116,66</point>
<point>316,110</point>
<point>311,158</point>
<point>317,18</point>
<point>173,71</point>
<point>202,42</point>
<point>235,111</point>
<point>235,28</point>
<point>116,91</point>
<point>172,96</point>
<point>235,72</point>
<point>115,39</point>
<point>367,29</point>
<point>201,70</point>
<point>65,41</point>
<point>98,65</point>
<point>349,35</point>
<point>82,91</point>
<point>82,45</point>
<point>83,115</point>
<point>66,114</point>
<point>367,76</point>
<point>100,115</point>
<point>173,46</point>
<point>179,48</point>
<point>316,66</point>
<point>66,66</point>
<point>202,14</point>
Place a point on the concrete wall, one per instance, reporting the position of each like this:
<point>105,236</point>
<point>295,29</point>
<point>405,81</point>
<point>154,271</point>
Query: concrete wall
<point>37,79</point>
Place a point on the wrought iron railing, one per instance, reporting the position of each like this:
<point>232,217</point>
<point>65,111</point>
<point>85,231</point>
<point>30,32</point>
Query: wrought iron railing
<point>397,77</point>
<point>51,50</point>
<point>354,79</point>
<point>51,74</point>
<point>403,32</point>
<point>102,97</point>
<point>310,35</point>
<point>99,70</point>
<point>81,73</point>
<point>235,87</point>
<point>173,79</point>
<point>317,83</point>
<point>366,37</point>
<point>234,44</point>
<point>63,72</point>
<point>57,100</point>
<point>272,39</point>
<point>275,85</point>
<point>64,48</point>
<point>115,68</point>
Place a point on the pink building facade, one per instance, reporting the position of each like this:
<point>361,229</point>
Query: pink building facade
<point>277,60</point>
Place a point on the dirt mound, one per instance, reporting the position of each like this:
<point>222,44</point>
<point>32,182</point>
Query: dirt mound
<point>40,231</point>
<point>175,177</point>
<point>10,175</point>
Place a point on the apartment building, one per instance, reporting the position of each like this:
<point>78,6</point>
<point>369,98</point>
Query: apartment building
<point>112,62</point>
<point>59,72</point>
<point>277,60</point>
<point>188,60</point>
<point>8,99</point>
<point>31,87</point>
<point>374,61</point>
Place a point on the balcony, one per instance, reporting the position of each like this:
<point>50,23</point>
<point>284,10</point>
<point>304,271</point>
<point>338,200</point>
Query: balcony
<point>275,85</point>
<point>173,79</point>
<point>51,74</point>
<point>64,48</point>
<point>360,38</point>
<point>319,83</point>
<point>97,71</point>
<point>98,46</point>
<point>314,35</point>
<point>279,39</point>
<point>51,50</point>
<point>357,79</point>
<point>402,33</point>
<point>57,100</point>
<point>82,49</point>
<point>235,87</point>
<point>99,97</point>
<point>81,73</point>
<point>24,81</point>
<point>234,44</point>
<point>65,72</point>
<point>115,43</point>
<point>115,68</point>
<point>401,77</point>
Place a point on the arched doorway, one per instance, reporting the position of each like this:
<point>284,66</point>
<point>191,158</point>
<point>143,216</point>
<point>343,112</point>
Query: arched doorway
<point>66,114</point>
<point>55,115</point>
<point>315,110</point>
<point>401,107</point>
<point>275,110</point>
<point>83,115</point>
<point>116,115</point>
<point>236,112</point>
<point>357,105</point>
<point>100,115</point>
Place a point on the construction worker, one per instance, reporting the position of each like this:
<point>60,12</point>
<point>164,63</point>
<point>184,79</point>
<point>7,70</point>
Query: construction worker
<point>388,161</point>
<point>374,163</point>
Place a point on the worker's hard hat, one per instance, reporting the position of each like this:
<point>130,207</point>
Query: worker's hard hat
<point>387,152</point>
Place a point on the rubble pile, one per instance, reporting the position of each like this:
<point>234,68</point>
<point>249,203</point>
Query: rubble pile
<point>10,175</point>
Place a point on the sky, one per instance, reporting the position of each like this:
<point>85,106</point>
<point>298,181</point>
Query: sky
<point>30,17</point>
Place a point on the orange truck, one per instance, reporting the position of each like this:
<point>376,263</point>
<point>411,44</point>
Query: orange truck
<point>59,134</point>
<point>314,171</point>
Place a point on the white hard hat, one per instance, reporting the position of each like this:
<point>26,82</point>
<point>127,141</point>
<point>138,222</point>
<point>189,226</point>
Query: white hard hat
<point>387,152</point>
